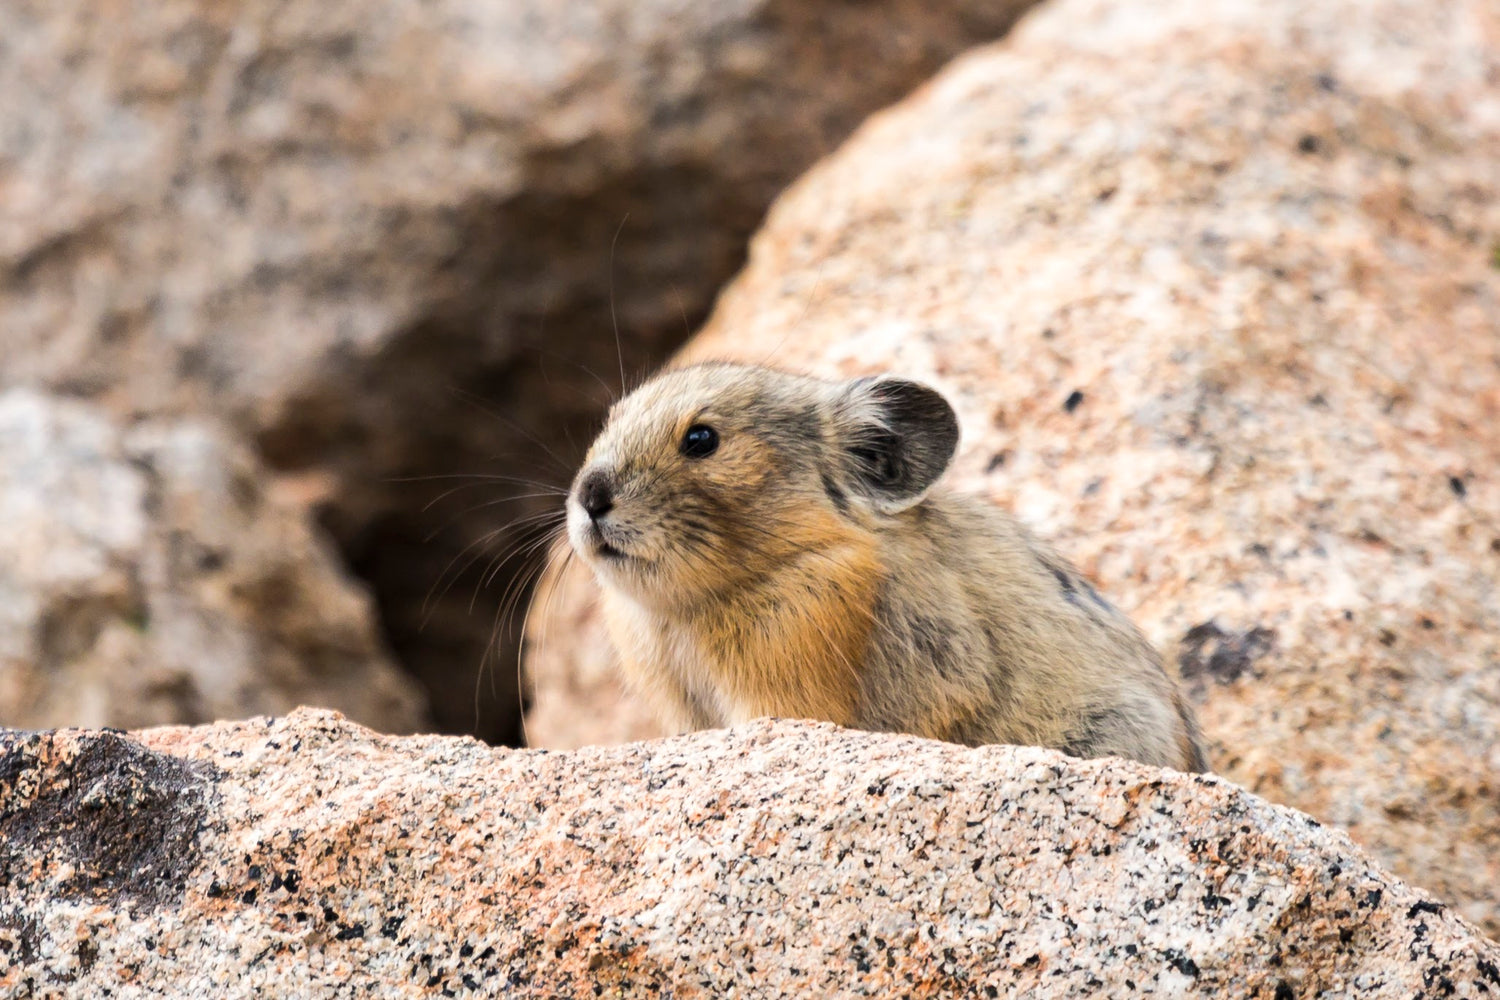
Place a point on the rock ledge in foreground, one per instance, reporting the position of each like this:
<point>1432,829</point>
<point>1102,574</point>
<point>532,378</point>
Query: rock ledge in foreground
<point>308,856</point>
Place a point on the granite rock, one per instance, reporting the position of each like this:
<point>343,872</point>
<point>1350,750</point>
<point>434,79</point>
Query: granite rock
<point>389,241</point>
<point>305,856</point>
<point>1213,285</point>
<point>154,573</point>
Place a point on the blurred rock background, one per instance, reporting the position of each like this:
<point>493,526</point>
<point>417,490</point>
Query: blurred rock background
<point>1215,287</point>
<point>368,251</point>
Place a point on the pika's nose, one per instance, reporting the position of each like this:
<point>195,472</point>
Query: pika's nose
<point>595,493</point>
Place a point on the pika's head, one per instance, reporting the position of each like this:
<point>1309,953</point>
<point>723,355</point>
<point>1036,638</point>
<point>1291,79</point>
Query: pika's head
<point>707,476</point>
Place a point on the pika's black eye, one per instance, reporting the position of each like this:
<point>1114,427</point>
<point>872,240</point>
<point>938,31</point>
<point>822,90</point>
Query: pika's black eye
<point>700,441</point>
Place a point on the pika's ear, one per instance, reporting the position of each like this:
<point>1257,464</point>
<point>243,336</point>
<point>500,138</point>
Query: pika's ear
<point>896,438</point>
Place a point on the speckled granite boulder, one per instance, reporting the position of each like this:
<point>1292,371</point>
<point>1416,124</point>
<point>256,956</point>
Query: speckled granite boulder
<point>308,857</point>
<point>152,573</point>
<point>356,227</point>
<point>1213,285</point>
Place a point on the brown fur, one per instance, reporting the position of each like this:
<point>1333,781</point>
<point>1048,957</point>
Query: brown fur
<point>808,568</point>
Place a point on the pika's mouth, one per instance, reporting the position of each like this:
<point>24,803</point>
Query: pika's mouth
<point>595,544</point>
<point>604,550</point>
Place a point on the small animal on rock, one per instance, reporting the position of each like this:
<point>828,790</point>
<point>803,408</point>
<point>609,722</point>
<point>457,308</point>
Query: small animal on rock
<point>775,544</point>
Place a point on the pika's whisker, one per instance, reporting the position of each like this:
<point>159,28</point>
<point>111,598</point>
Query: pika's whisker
<point>479,404</point>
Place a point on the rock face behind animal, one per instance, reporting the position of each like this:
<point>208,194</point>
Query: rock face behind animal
<point>334,224</point>
<point>152,572</point>
<point>1212,288</point>
<point>776,545</point>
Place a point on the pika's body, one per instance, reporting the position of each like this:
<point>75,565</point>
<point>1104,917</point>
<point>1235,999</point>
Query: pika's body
<point>774,544</point>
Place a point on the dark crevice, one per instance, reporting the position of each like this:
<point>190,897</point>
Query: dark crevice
<point>494,382</point>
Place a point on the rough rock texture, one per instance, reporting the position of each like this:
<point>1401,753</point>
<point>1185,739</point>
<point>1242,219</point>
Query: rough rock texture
<point>308,857</point>
<point>357,226</point>
<point>1214,287</point>
<point>147,574</point>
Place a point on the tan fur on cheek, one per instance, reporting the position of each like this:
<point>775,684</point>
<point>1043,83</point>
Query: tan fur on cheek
<point>740,467</point>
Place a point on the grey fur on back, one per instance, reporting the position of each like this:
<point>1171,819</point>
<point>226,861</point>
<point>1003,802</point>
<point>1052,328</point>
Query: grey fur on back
<point>1009,644</point>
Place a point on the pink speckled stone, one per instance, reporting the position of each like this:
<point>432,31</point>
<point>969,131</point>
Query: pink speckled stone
<point>1213,286</point>
<point>307,856</point>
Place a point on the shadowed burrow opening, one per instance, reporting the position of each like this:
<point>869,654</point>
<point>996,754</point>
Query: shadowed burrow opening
<point>449,458</point>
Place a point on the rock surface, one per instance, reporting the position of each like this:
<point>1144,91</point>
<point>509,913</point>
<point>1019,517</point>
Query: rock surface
<point>1214,288</point>
<point>305,856</point>
<point>147,574</point>
<point>355,226</point>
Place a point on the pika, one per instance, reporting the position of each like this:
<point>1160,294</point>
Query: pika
<point>776,544</point>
